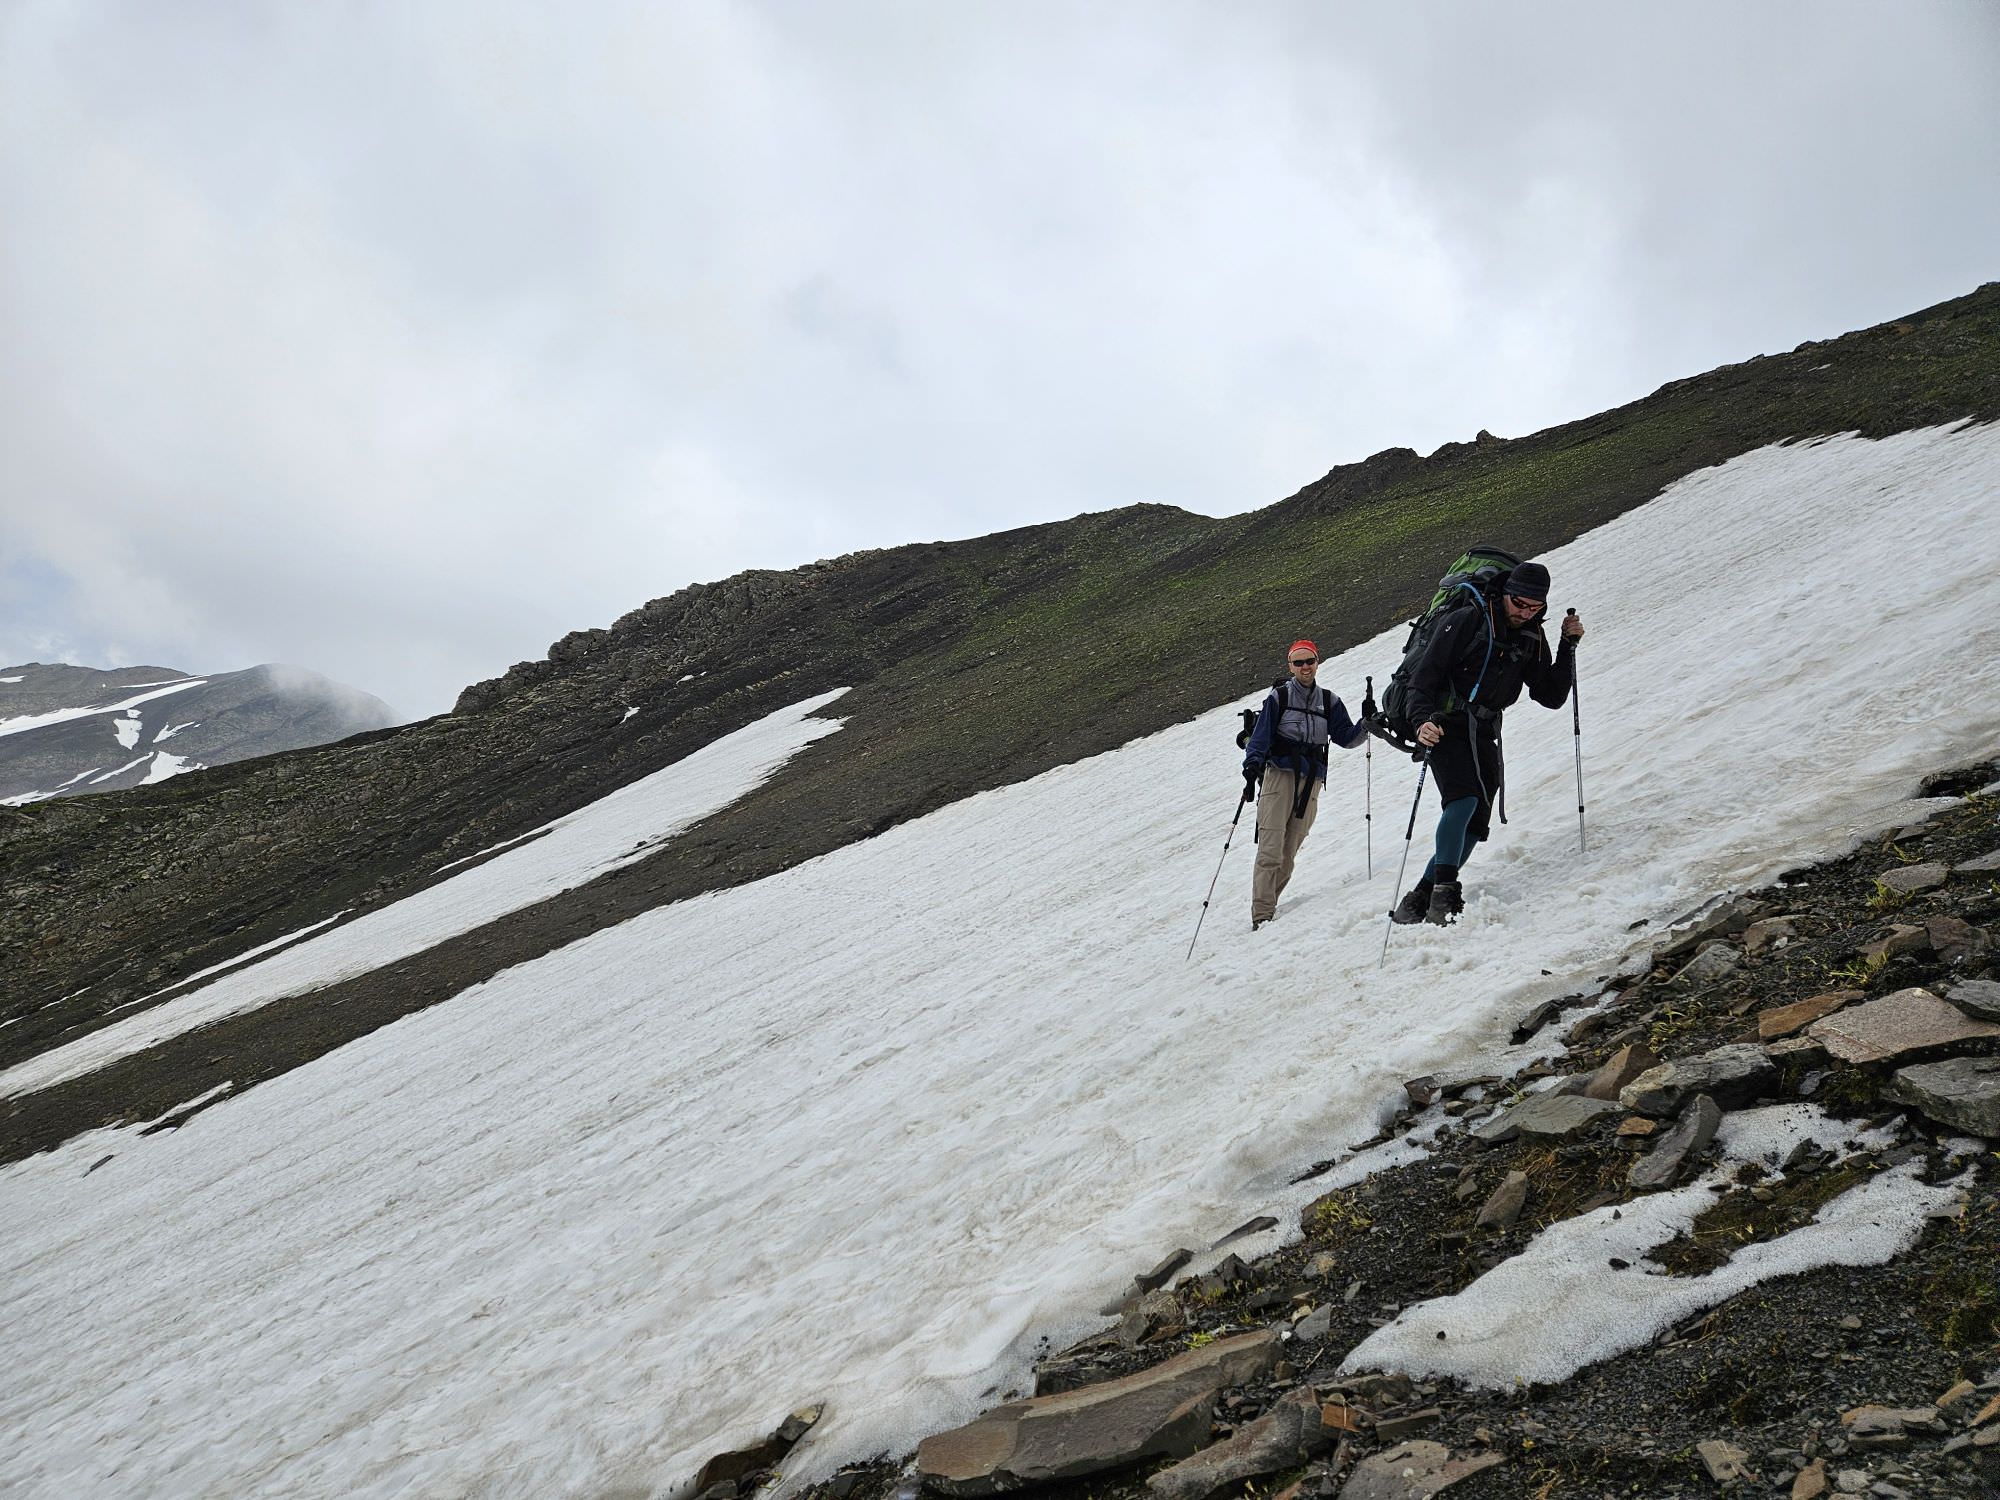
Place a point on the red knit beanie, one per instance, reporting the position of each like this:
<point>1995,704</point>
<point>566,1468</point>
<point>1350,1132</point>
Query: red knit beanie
<point>1301,645</point>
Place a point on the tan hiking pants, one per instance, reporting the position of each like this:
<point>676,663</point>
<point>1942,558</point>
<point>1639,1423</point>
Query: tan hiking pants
<point>1279,835</point>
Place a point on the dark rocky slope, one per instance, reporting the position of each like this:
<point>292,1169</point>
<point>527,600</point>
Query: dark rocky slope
<point>973,663</point>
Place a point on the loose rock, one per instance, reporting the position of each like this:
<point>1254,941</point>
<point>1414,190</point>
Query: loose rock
<point>1716,961</point>
<point>1414,1471</point>
<point>1619,1069</point>
<point>1771,932</point>
<point>1691,1134</point>
<point>1724,1461</point>
<point>1505,1204</point>
<point>1160,1275</point>
<point>1978,998</point>
<point>1544,1114</point>
<point>1731,1075</point>
<point>1154,1315</point>
<point>1956,940</point>
<point>1725,920</point>
<point>1909,880</point>
<point>1164,1411</point>
<point>1901,938</point>
<point>1280,1438</point>
<point>726,1469</point>
<point>1963,1092</point>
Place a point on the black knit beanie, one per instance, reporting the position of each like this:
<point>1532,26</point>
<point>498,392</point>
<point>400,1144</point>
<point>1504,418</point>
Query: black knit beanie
<point>1529,580</point>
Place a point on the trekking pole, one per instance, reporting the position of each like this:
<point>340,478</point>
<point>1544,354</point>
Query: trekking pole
<point>1402,869</point>
<point>1368,803</point>
<point>1576,725</point>
<point>1241,803</point>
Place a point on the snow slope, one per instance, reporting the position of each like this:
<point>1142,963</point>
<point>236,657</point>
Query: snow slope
<point>866,1129</point>
<point>612,831</point>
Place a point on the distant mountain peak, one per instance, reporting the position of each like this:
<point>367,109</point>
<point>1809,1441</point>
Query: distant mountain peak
<point>68,730</point>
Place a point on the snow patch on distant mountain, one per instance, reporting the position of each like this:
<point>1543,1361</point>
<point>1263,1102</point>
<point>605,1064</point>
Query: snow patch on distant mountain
<point>55,719</point>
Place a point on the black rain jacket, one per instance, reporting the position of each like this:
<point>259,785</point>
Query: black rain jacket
<point>1474,648</point>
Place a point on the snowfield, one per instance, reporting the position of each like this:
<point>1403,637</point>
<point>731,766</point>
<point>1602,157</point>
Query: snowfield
<point>867,1130</point>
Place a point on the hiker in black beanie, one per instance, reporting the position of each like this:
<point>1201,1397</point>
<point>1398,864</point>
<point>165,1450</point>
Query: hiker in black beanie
<point>1481,657</point>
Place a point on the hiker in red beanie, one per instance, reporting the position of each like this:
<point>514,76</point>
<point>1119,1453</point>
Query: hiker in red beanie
<point>1286,753</point>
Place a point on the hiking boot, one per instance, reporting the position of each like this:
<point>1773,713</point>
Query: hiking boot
<point>1447,901</point>
<point>1414,907</point>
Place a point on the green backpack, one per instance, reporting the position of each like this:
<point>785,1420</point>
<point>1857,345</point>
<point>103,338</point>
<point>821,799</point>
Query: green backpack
<point>1476,576</point>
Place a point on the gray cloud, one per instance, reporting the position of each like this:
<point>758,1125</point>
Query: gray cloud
<point>396,341</point>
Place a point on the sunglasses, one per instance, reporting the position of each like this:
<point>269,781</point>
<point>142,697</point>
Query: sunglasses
<point>1305,661</point>
<point>1519,603</point>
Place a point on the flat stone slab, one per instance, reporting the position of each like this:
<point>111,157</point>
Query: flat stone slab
<point>1414,1471</point>
<point>1963,1093</point>
<point>1166,1411</point>
<point>1984,865</point>
<point>1544,1114</point>
<point>1783,1020</point>
<point>1899,1025</point>
<point>1731,1075</point>
<point>1978,998</point>
<point>1908,880</point>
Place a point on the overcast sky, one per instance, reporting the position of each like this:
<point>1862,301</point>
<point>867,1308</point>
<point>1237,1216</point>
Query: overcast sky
<point>397,340</point>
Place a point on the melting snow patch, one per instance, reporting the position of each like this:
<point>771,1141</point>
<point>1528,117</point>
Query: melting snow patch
<point>628,714</point>
<point>127,730</point>
<point>173,729</point>
<point>10,679</point>
<point>1560,1304</point>
<point>113,775</point>
<point>166,763</point>
<point>26,722</point>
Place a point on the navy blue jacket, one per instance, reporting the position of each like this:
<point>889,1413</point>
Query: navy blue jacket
<point>1266,747</point>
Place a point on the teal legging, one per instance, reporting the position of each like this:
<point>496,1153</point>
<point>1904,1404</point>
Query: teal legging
<point>1454,836</point>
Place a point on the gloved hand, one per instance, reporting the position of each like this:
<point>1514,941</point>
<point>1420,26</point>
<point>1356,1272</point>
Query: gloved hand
<point>1369,710</point>
<point>1252,775</point>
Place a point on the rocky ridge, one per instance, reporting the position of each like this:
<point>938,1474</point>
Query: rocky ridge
<point>1851,985</point>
